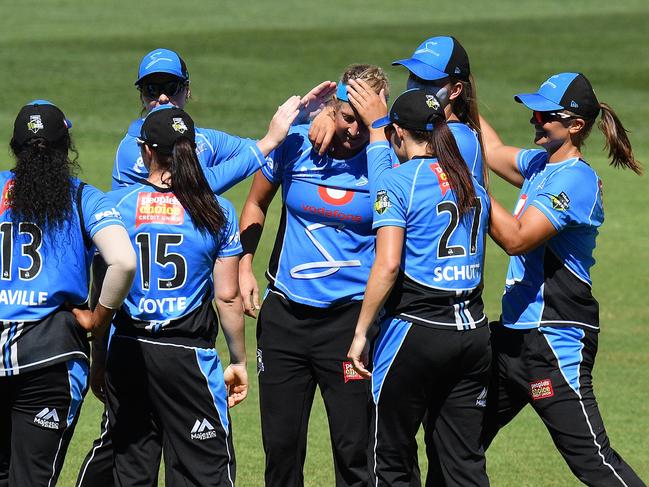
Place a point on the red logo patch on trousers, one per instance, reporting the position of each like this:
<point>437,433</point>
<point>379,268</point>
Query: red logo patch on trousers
<point>349,373</point>
<point>541,389</point>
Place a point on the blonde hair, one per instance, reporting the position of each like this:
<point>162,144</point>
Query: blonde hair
<point>371,74</point>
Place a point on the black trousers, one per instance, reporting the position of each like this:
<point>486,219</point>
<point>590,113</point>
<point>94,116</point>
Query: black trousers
<point>38,413</point>
<point>301,347</point>
<point>551,369</point>
<point>97,468</point>
<point>168,398</point>
<point>441,375</point>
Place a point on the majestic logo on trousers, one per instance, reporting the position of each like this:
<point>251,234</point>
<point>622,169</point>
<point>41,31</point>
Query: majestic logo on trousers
<point>481,401</point>
<point>202,430</point>
<point>47,418</point>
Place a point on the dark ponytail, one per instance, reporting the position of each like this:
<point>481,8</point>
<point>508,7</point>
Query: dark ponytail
<point>465,108</point>
<point>42,188</point>
<point>189,185</point>
<point>442,145</point>
<point>617,141</point>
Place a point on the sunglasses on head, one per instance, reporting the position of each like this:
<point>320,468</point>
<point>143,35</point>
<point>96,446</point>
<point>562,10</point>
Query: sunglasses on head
<point>547,117</point>
<point>169,88</point>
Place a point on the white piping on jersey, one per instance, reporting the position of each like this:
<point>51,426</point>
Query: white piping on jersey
<point>565,264</point>
<point>138,187</point>
<point>379,145</point>
<point>592,209</point>
<point>414,183</point>
<point>260,162</point>
<point>477,142</point>
<point>583,409</point>
<point>564,165</point>
<point>13,360</point>
<point>49,359</point>
<point>383,220</point>
<point>549,212</point>
<point>119,172</point>
<point>454,325</point>
<point>206,141</point>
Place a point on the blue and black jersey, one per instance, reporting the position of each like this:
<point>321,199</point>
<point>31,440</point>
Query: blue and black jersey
<point>551,285</point>
<point>175,262</point>
<point>40,272</point>
<point>213,147</point>
<point>325,246</point>
<point>440,282</point>
<point>384,158</point>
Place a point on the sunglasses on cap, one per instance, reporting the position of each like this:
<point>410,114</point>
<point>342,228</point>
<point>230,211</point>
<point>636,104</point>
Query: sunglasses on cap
<point>546,117</point>
<point>169,88</point>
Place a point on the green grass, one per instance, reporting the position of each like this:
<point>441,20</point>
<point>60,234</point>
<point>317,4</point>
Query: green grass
<point>247,57</point>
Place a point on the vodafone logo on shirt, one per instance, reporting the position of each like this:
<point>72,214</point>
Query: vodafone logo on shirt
<point>334,196</point>
<point>162,208</point>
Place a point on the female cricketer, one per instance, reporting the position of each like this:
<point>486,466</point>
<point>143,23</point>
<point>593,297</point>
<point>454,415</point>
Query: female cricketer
<point>432,357</point>
<point>50,224</point>
<point>439,66</point>
<point>546,340</point>
<point>165,387</point>
<point>317,274</point>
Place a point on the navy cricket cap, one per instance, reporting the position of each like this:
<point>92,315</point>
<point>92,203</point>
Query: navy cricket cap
<point>164,125</point>
<point>40,119</point>
<point>563,91</point>
<point>437,58</point>
<point>415,110</point>
<point>162,61</point>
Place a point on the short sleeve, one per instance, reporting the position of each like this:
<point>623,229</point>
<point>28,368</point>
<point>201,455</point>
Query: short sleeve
<point>569,197</point>
<point>469,147</point>
<point>230,242</point>
<point>287,153</point>
<point>526,160</point>
<point>97,211</point>
<point>391,201</point>
<point>128,166</point>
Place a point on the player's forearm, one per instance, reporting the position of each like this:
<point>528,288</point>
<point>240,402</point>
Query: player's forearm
<point>116,250</point>
<point>253,217</point>
<point>232,323</point>
<point>379,285</point>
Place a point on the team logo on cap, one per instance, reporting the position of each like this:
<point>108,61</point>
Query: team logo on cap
<point>35,123</point>
<point>428,48</point>
<point>179,125</point>
<point>432,102</point>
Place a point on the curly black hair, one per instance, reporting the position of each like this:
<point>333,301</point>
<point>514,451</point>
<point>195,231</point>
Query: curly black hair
<point>42,188</point>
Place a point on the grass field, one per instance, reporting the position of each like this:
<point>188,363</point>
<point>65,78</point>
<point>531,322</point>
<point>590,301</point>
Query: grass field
<point>247,57</point>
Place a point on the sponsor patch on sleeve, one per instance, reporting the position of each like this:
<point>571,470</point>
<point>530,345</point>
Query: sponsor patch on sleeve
<point>349,373</point>
<point>162,208</point>
<point>442,178</point>
<point>6,193</point>
<point>382,202</point>
<point>560,202</point>
<point>541,389</point>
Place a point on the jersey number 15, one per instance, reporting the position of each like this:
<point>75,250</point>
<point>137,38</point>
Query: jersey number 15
<point>163,258</point>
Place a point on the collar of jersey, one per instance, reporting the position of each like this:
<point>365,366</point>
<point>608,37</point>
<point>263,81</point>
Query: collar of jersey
<point>157,188</point>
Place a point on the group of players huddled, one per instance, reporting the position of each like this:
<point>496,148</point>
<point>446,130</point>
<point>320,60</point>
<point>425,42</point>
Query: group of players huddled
<point>374,283</point>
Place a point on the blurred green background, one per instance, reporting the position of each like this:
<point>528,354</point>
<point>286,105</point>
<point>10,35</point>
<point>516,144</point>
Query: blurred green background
<point>245,58</point>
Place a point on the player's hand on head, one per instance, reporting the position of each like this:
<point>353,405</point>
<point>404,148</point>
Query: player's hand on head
<point>368,104</point>
<point>315,100</point>
<point>322,130</point>
<point>236,382</point>
<point>359,353</point>
<point>249,292</point>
